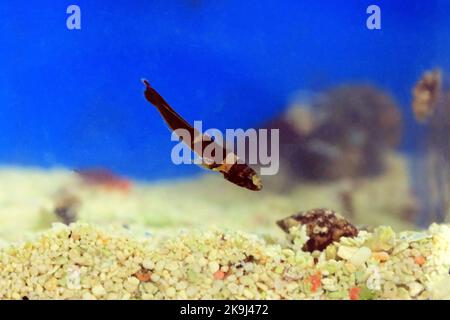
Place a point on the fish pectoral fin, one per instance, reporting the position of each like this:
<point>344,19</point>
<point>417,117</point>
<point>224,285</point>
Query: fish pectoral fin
<point>207,166</point>
<point>210,165</point>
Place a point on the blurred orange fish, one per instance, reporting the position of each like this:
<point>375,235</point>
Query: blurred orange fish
<point>104,178</point>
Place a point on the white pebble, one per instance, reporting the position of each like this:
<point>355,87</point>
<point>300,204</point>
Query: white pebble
<point>361,255</point>
<point>346,252</point>
<point>98,290</point>
<point>213,266</point>
<point>415,288</point>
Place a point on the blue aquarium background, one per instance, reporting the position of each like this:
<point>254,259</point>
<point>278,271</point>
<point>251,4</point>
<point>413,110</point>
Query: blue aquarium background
<point>74,98</point>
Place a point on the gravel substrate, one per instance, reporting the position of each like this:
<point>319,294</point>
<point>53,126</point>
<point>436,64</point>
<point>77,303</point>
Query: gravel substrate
<point>83,261</point>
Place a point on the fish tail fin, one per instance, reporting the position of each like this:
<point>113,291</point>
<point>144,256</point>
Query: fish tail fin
<point>152,95</point>
<point>145,81</point>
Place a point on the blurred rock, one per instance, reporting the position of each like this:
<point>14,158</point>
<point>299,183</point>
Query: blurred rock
<point>66,206</point>
<point>426,94</point>
<point>345,133</point>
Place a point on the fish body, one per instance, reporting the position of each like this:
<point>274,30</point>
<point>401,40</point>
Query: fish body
<point>238,173</point>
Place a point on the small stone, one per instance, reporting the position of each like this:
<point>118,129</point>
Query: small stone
<point>155,277</point>
<point>350,267</point>
<point>361,255</point>
<point>400,247</point>
<point>381,256</point>
<point>98,290</point>
<point>248,294</point>
<point>170,292</point>
<point>213,266</point>
<point>144,275</point>
<point>51,284</point>
<point>234,288</point>
<point>148,264</point>
<point>88,296</point>
<point>132,283</point>
<point>346,253</point>
<point>191,291</point>
<point>415,288</point>
<point>172,266</point>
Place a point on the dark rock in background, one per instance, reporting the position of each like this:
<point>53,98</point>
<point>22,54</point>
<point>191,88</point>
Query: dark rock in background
<point>345,133</point>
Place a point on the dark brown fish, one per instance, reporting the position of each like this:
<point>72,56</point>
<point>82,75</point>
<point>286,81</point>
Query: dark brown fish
<point>238,173</point>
